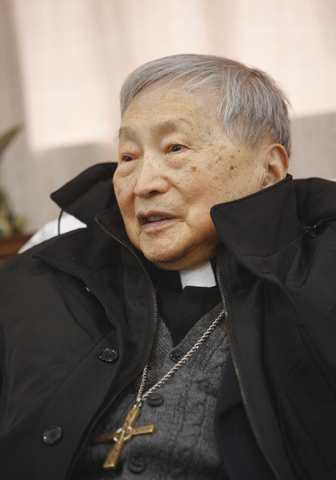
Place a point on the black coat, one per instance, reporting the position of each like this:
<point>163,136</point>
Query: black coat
<point>65,301</point>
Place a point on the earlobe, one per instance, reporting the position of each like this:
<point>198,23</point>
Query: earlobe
<point>276,165</point>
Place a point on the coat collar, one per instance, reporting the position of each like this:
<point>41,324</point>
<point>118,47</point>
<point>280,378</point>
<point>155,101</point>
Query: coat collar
<point>262,224</point>
<point>88,194</point>
<point>258,225</point>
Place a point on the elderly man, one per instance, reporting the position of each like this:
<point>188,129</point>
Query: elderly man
<point>189,331</point>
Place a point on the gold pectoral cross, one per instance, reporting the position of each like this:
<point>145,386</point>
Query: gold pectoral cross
<point>122,436</point>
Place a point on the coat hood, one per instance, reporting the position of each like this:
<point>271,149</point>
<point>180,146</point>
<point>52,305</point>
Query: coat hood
<point>88,194</point>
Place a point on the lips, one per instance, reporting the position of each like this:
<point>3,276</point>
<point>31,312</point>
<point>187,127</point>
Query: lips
<point>152,217</point>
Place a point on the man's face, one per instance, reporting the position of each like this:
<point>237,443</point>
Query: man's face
<point>175,163</point>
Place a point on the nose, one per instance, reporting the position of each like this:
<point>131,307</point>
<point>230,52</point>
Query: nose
<point>150,177</point>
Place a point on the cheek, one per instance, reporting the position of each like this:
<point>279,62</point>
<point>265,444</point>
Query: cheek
<point>201,189</point>
<point>124,192</point>
<point>118,190</point>
<point>177,162</point>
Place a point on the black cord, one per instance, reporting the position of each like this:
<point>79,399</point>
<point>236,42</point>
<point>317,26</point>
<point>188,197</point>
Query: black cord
<point>59,222</point>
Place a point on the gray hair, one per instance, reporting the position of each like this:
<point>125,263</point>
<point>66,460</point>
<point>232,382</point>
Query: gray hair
<point>250,104</point>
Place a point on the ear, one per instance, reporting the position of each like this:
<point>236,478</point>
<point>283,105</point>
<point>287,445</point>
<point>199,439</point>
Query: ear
<point>275,164</point>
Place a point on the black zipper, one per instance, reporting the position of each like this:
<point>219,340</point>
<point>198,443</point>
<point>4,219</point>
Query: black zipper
<point>313,230</point>
<point>235,365</point>
<point>139,370</point>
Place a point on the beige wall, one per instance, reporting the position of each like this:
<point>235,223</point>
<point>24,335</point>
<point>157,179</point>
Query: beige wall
<point>62,63</point>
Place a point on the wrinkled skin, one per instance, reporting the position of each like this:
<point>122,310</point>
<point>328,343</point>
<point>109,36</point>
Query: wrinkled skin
<point>175,163</point>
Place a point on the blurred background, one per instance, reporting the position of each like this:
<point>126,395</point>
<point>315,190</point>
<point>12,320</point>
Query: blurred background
<point>62,63</point>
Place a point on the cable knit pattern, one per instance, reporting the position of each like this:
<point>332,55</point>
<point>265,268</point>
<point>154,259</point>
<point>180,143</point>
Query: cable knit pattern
<point>183,446</point>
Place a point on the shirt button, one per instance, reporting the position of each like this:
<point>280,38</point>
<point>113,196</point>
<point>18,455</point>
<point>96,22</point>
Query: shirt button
<point>176,355</point>
<point>108,355</point>
<point>136,465</point>
<point>52,435</point>
<point>155,399</point>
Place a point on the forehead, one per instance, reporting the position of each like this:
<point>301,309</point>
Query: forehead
<point>164,126</point>
<point>168,108</point>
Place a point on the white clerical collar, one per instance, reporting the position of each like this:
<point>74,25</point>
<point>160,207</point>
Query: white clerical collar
<point>200,276</point>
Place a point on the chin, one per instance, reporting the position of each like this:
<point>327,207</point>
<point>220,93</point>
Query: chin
<point>175,263</point>
<point>158,259</point>
<point>165,261</point>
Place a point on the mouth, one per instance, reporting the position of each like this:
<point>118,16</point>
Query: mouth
<point>153,218</point>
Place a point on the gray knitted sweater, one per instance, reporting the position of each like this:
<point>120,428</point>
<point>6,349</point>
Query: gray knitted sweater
<point>183,446</point>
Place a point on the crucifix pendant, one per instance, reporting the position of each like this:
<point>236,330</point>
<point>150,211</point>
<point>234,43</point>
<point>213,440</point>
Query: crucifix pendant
<point>122,436</point>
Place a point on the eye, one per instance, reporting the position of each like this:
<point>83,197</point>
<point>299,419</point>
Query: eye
<point>126,158</point>
<point>176,148</point>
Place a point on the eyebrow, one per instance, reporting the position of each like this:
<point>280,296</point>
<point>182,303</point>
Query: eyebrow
<point>124,131</point>
<point>165,126</point>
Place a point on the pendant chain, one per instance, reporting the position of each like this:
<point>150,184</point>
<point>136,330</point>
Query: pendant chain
<point>142,396</point>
